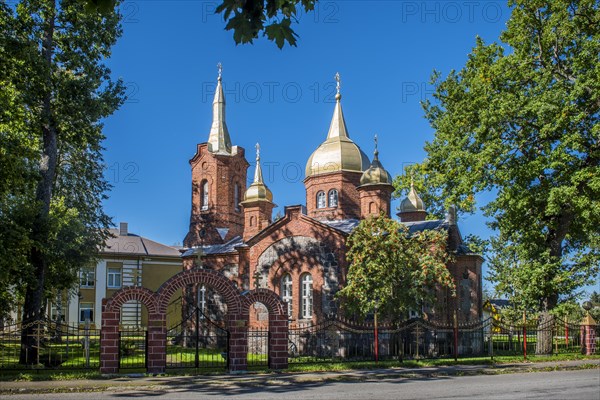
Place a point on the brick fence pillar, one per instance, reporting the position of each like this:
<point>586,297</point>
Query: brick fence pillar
<point>109,341</point>
<point>157,343</point>
<point>278,341</point>
<point>238,342</point>
<point>588,336</point>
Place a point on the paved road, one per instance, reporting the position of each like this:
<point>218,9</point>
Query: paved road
<point>580,385</point>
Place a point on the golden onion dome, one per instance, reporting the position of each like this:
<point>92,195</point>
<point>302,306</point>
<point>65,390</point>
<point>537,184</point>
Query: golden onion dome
<point>338,152</point>
<point>258,191</point>
<point>412,202</point>
<point>376,174</point>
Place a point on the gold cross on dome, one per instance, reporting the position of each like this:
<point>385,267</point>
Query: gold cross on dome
<point>257,146</point>
<point>220,68</point>
<point>338,82</point>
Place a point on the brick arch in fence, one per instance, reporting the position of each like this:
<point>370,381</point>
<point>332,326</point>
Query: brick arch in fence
<point>238,305</point>
<point>207,277</point>
<point>278,324</point>
<point>111,317</point>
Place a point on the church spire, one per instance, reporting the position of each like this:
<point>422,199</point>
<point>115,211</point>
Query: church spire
<point>218,140</point>
<point>337,129</point>
<point>258,177</point>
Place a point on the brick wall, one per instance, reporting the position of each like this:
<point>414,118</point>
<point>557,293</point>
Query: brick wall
<point>345,183</point>
<point>412,216</point>
<point>375,199</point>
<point>257,216</point>
<point>222,173</point>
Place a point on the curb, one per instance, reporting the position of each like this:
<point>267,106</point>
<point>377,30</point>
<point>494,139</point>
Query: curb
<point>124,383</point>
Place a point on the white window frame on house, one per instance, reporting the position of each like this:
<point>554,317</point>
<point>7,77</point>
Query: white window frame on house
<point>306,303</point>
<point>87,277</point>
<point>83,307</point>
<point>114,274</point>
<point>321,200</point>
<point>332,198</point>
<point>286,292</point>
<point>54,313</point>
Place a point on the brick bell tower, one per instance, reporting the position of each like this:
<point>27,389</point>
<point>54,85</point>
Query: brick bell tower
<point>333,172</point>
<point>258,203</point>
<point>375,190</point>
<point>218,183</point>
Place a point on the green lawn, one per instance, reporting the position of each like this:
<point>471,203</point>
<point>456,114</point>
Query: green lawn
<point>45,375</point>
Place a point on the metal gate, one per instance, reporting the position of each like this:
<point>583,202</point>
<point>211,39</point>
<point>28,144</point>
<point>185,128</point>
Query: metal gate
<point>133,345</point>
<point>258,348</point>
<point>198,342</point>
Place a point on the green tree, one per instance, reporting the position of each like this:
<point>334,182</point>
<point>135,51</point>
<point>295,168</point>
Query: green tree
<point>520,120</point>
<point>59,90</point>
<point>248,18</point>
<point>393,270</point>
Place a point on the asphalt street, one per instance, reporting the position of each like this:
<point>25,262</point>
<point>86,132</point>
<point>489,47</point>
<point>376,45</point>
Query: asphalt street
<point>578,384</point>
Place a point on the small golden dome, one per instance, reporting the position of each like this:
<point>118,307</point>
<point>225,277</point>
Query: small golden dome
<point>376,174</point>
<point>412,202</point>
<point>258,191</point>
<point>338,152</point>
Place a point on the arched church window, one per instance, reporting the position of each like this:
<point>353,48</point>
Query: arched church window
<point>286,292</point>
<point>333,198</point>
<point>321,201</point>
<point>372,208</point>
<point>252,220</point>
<point>306,282</point>
<point>204,195</point>
<point>236,197</point>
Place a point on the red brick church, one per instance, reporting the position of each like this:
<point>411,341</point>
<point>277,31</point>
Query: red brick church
<point>301,256</point>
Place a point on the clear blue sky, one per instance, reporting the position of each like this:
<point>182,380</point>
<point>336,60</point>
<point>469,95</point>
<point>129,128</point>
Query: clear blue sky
<point>385,52</point>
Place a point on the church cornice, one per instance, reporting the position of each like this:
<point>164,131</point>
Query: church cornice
<point>291,213</point>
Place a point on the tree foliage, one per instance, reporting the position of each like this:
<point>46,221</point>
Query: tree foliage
<point>393,270</point>
<point>520,121</point>
<point>56,90</point>
<point>248,18</point>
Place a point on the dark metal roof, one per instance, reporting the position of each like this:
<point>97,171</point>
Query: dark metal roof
<point>224,248</point>
<point>419,226</point>
<point>135,245</point>
<point>344,225</point>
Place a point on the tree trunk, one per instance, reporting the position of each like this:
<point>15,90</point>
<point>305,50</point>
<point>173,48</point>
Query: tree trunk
<point>555,241</point>
<point>34,292</point>
<point>545,331</point>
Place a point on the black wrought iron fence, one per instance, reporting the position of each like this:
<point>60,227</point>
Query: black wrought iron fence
<point>55,346</point>
<point>330,340</point>
<point>133,345</point>
<point>337,340</point>
<point>522,339</point>
<point>200,343</point>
